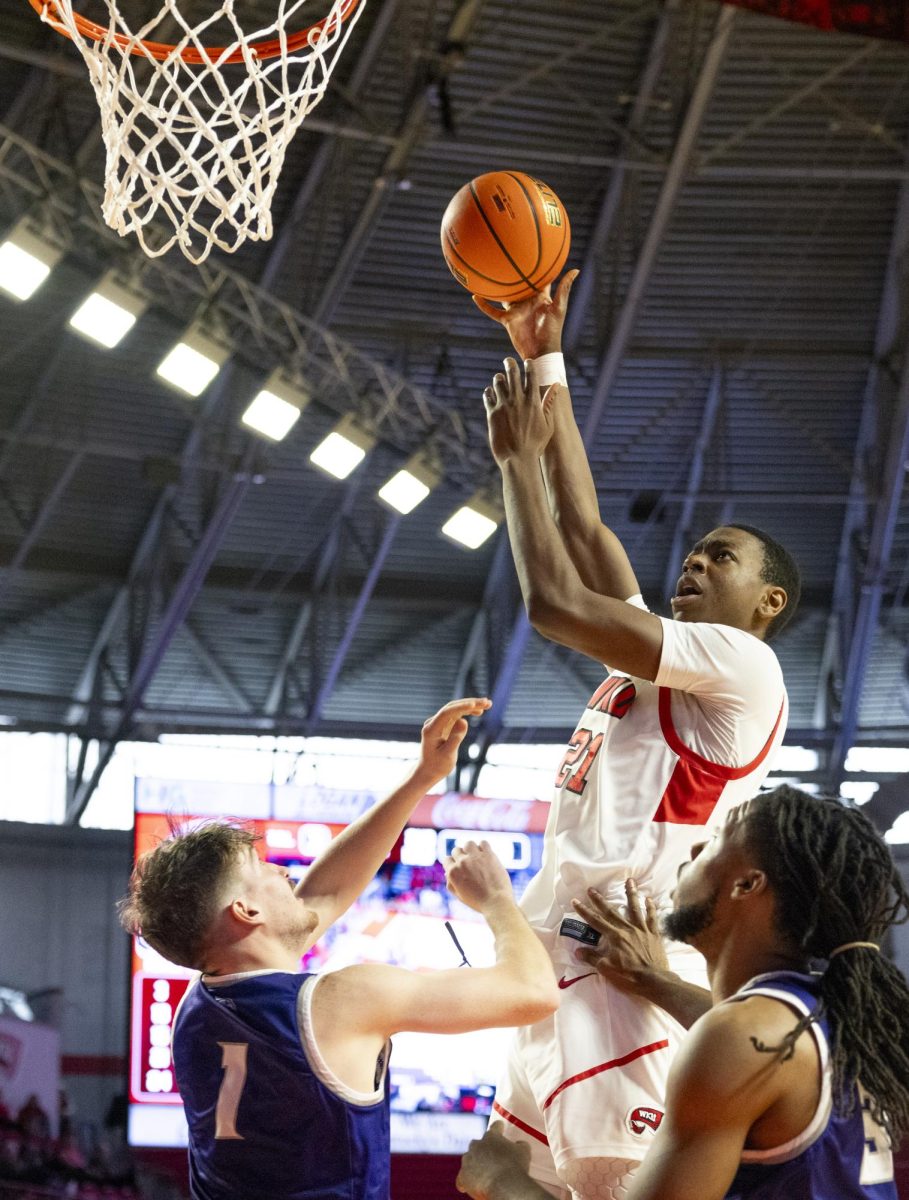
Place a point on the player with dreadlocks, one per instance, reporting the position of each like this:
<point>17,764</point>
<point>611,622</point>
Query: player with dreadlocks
<point>796,1081</point>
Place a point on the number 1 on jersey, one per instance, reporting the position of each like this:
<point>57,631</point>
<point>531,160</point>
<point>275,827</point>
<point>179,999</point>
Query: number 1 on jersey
<point>233,1061</point>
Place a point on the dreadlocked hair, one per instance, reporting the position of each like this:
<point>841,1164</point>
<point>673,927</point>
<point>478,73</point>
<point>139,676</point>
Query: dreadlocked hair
<point>835,882</point>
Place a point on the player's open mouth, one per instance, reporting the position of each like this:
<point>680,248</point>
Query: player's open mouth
<point>685,590</point>
<point>684,601</point>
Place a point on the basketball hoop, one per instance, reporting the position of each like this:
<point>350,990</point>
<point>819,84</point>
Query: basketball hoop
<point>195,135</point>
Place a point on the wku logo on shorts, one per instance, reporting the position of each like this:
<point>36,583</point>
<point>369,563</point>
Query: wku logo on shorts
<point>639,1120</point>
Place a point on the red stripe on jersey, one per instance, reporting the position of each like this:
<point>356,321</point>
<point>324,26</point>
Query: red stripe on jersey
<point>691,795</point>
<point>606,1066</point>
<point>718,770</point>
<point>522,1125</point>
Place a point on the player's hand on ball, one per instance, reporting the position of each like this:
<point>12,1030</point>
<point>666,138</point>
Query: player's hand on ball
<point>520,421</point>
<point>443,733</point>
<point>491,1160</point>
<point>534,325</point>
<point>630,945</point>
<point>476,877</point>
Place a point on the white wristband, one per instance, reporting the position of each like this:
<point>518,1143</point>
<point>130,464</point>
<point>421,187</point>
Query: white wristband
<point>551,369</point>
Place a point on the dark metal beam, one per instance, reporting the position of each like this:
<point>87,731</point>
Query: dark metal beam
<point>871,588</point>
<point>582,291</point>
<point>327,686</point>
<point>682,533</point>
<point>216,668</point>
<point>178,606</point>
<point>674,180</point>
<point>849,638</point>
<point>307,190</point>
<point>327,556</point>
<point>450,56</point>
<point>43,515</point>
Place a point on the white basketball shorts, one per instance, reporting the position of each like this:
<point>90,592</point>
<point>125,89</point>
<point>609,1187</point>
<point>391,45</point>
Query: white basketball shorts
<point>589,1081</point>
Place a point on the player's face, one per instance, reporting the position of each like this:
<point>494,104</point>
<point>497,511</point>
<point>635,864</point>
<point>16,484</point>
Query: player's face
<point>272,889</point>
<point>721,579</point>
<point>704,881</point>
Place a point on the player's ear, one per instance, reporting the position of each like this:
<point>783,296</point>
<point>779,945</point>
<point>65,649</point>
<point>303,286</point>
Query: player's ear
<point>772,602</point>
<point>244,911</point>
<point>751,882</point>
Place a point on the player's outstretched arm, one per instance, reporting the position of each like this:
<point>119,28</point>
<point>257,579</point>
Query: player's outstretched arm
<point>632,958</point>
<point>719,1087</point>
<point>345,868</point>
<point>356,1009</point>
<point>535,328</point>
<point>559,604</point>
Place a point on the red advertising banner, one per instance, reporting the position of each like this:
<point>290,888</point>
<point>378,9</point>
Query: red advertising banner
<point>877,18</point>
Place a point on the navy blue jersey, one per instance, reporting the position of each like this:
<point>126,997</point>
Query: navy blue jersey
<point>264,1124</point>
<point>837,1157</point>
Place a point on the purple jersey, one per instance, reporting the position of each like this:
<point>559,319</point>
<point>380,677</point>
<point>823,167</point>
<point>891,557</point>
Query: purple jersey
<point>837,1157</point>
<point>264,1124</point>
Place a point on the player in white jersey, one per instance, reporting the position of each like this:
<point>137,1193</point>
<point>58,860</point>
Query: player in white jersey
<point>683,729</point>
<point>794,1084</point>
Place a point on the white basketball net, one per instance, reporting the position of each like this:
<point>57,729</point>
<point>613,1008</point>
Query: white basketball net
<point>197,149</point>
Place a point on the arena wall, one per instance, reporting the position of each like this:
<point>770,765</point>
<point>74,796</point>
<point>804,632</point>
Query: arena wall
<point>58,930</point>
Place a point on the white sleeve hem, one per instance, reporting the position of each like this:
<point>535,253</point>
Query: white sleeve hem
<point>320,1068</point>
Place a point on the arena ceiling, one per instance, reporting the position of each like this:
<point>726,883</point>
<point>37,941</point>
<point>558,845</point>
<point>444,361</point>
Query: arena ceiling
<point>737,190</point>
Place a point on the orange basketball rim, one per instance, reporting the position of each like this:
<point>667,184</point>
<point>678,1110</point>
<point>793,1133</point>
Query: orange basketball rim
<point>270,48</point>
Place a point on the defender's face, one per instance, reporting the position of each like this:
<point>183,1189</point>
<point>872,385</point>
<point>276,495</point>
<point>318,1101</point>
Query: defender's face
<point>699,898</point>
<point>272,891</point>
<point>721,579</point>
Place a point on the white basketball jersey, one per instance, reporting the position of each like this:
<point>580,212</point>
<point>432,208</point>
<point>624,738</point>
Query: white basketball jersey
<point>653,768</point>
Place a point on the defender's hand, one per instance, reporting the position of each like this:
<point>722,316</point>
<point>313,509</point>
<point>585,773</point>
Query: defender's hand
<point>490,1161</point>
<point>535,324</point>
<point>443,734</point>
<point>520,421</point>
<point>631,948</point>
<point>476,877</point>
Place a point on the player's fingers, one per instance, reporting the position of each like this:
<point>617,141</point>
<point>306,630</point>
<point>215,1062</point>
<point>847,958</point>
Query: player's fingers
<point>489,399</point>
<point>441,723</point>
<point>652,916</point>
<point>563,290</point>
<point>530,378</point>
<point>633,900</point>
<point>595,919</point>
<point>601,912</point>
<point>489,309</point>
<point>513,375</point>
<point>455,734</point>
<point>465,704</point>
<point>501,389</point>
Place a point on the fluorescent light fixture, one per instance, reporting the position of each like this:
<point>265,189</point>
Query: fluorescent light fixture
<point>25,262</point>
<point>343,450</point>
<point>410,486</point>
<point>276,408</point>
<point>108,313</point>
<point>473,523</point>
<point>193,363</point>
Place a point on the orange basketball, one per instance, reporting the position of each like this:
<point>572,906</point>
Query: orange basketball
<point>505,235</point>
